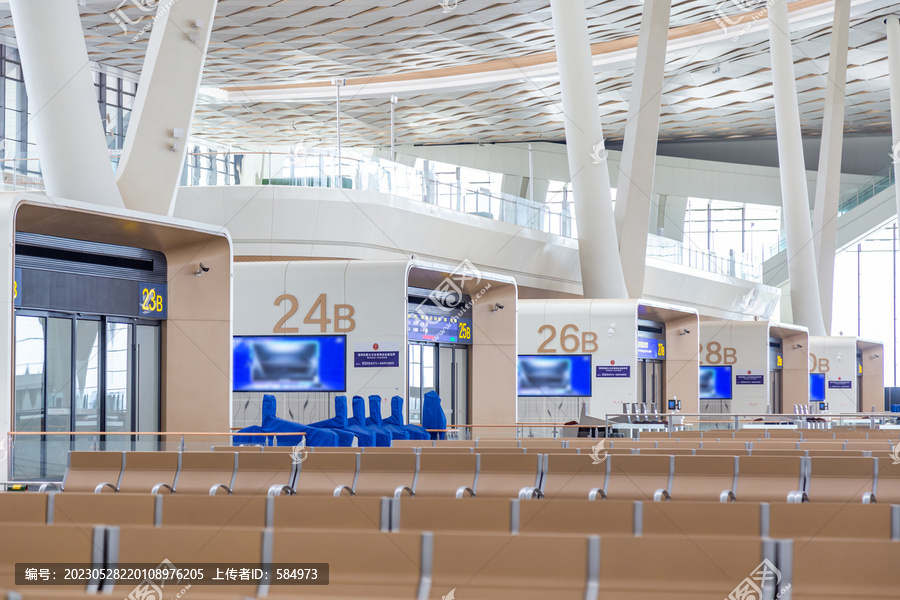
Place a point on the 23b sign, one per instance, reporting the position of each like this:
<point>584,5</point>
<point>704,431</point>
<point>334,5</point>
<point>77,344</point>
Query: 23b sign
<point>153,301</point>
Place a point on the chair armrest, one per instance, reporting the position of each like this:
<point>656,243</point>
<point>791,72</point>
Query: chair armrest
<point>277,489</point>
<point>403,488</point>
<point>159,486</point>
<point>797,497</point>
<point>340,489</point>
<point>592,495</point>
<point>868,498</point>
<point>49,487</point>
<point>530,492</point>
<point>100,487</point>
<point>727,496</point>
<point>217,487</point>
<point>462,491</point>
<point>660,495</point>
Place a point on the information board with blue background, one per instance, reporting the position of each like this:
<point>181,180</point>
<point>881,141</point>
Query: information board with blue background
<point>542,375</point>
<point>436,328</point>
<point>290,363</point>
<point>154,302</point>
<point>651,349</point>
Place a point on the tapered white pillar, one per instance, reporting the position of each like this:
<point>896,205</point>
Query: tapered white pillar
<point>801,258</point>
<point>639,149</point>
<point>70,140</point>
<point>156,142</point>
<point>893,44</point>
<point>598,248</point>
<point>828,182</point>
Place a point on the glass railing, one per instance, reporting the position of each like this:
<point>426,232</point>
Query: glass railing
<point>352,171</point>
<point>879,182</point>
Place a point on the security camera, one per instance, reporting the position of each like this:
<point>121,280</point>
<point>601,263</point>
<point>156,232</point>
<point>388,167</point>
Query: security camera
<point>203,269</point>
<point>685,331</point>
<point>497,306</point>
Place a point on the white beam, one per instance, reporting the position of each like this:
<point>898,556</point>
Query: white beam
<point>156,142</point>
<point>70,140</point>
<point>893,45</point>
<point>639,148</point>
<point>601,269</point>
<point>805,300</point>
<point>828,188</point>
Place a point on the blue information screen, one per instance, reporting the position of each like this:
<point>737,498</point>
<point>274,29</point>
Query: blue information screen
<point>290,363</point>
<point>437,328</point>
<point>715,383</point>
<point>816,387</point>
<point>544,375</point>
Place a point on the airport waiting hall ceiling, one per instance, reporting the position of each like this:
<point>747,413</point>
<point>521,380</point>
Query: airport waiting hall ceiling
<point>263,52</point>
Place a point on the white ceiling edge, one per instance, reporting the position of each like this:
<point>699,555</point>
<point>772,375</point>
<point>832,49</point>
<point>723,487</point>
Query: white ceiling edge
<point>815,16</point>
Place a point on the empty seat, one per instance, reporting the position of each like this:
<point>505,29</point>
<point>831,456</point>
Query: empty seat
<point>497,443</point>
<point>183,510</point>
<point>690,519</point>
<point>719,452</point>
<point>23,508</point>
<point>451,514</point>
<point>326,473</point>
<point>44,545</point>
<point>387,474</point>
<point>665,451</point>
<point>446,475</point>
<point>576,516</point>
<point>829,520</point>
<point>361,563</point>
<point>888,491</point>
<point>102,509</point>
<point>509,475</point>
<point>188,545</point>
<point>840,479</point>
<point>704,478</point>
<point>768,479</point>
<point>513,567</point>
<point>205,472</point>
<point>146,472</point>
<point>572,476</point>
<point>238,448</point>
<point>637,477</point>
<point>447,450</point>
<point>263,472</point>
<point>325,512</point>
<point>682,567</point>
<point>837,569</point>
<point>88,470</point>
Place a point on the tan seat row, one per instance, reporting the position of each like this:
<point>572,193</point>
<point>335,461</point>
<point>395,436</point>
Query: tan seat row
<point>500,566</point>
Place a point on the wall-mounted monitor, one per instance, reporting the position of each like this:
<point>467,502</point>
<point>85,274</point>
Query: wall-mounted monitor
<point>816,387</point>
<point>715,383</point>
<point>567,375</point>
<point>290,363</point>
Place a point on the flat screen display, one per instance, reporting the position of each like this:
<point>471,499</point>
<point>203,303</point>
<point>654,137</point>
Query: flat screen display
<point>816,387</point>
<point>715,383</point>
<point>290,363</point>
<point>543,375</point>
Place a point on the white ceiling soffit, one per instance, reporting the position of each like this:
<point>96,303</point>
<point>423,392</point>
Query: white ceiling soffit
<point>483,72</point>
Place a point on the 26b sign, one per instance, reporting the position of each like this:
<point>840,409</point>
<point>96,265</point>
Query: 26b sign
<point>342,315</point>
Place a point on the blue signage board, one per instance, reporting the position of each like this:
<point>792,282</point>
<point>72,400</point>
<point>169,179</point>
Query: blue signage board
<point>840,385</point>
<point>749,379</point>
<point>376,358</point>
<point>153,303</point>
<point>650,348</point>
<point>435,328</point>
<point>614,371</point>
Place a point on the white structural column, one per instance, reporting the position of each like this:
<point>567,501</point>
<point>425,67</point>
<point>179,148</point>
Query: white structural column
<point>598,248</point>
<point>70,141</point>
<point>156,142</point>
<point>639,149</point>
<point>893,43</point>
<point>828,182</point>
<point>805,301</point>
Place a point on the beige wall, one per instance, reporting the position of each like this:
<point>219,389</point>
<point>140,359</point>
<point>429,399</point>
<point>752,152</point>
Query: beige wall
<point>795,371</point>
<point>682,366</point>
<point>872,376</point>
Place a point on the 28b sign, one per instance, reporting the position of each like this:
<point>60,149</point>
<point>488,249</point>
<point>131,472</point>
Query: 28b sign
<point>717,355</point>
<point>317,315</point>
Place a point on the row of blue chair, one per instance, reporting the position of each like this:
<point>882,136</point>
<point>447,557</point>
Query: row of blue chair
<point>339,430</point>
